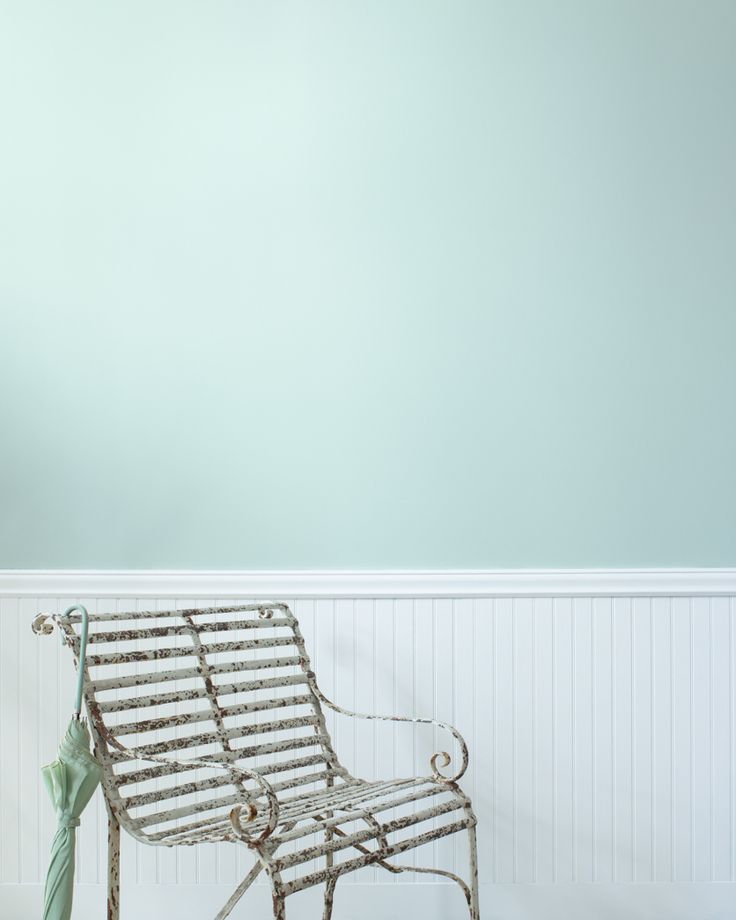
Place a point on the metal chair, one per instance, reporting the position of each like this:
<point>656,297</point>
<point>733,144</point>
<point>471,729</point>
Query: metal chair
<point>246,701</point>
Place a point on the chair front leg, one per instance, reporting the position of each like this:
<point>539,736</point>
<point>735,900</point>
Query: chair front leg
<point>279,907</point>
<point>329,897</point>
<point>473,846</point>
<point>279,899</point>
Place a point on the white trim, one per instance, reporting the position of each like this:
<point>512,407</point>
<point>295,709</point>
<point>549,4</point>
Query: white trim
<point>313,583</point>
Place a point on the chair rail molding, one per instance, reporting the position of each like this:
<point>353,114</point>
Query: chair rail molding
<point>667,582</point>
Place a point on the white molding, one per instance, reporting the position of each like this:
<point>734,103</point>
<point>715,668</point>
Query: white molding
<point>314,583</point>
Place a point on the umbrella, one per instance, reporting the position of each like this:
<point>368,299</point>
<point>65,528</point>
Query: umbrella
<point>71,780</point>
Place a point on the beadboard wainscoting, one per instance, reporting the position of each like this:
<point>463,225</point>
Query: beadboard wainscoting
<point>601,728</point>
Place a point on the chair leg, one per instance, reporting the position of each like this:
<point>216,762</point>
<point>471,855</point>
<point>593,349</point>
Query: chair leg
<point>279,907</point>
<point>113,866</point>
<point>277,891</point>
<point>331,882</point>
<point>474,905</point>
<point>329,898</point>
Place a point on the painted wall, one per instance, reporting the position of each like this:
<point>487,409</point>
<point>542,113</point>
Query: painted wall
<point>602,738</point>
<point>414,284</point>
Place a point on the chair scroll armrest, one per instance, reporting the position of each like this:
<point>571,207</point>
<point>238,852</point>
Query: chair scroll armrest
<point>437,760</point>
<point>237,774</point>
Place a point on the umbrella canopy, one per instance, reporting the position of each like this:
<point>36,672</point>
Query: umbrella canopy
<point>71,780</point>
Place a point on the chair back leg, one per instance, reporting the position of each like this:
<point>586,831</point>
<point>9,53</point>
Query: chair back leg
<point>113,866</point>
<point>331,882</point>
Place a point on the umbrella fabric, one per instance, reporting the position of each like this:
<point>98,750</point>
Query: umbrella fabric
<point>71,780</point>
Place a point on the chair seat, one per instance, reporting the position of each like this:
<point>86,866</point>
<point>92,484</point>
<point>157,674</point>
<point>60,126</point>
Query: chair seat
<point>379,818</point>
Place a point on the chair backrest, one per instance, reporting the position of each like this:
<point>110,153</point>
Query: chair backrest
<point>227,684</point>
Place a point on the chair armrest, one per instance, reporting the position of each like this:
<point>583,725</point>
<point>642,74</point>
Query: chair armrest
<point>237,774</point>
<point>437,760</point>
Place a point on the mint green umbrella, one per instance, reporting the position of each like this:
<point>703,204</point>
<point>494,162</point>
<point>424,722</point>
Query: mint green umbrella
<point>71,780</point>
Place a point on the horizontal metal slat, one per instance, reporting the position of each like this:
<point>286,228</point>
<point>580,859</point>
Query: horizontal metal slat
<point>383,802</point>
<point>175,792</point>
<point>182,834</point>
<point>160,677</point>
<point>362,836</point>
<point>157,699</point>
<point>267,728</point>
<point>190,611</point>
<point>222,779</point>
<point>315,878</point>
<point>194,741</point>
<point>186,651</point>
<point>183,629</point>
<point>205,715</point>
<point>214,826</point>
<point>193,808</point>
<point>234,756</point>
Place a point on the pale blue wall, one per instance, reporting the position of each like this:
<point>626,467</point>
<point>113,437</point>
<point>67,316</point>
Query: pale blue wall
<point>379,284</point>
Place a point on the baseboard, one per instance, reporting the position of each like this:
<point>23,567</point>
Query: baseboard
<point>435,583</point>
<point>692,901</point>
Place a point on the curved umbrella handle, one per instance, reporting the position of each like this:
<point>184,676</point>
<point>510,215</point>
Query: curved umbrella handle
<point>82,655</point>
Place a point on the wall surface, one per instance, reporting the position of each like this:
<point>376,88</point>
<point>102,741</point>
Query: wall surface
<point>353,285</point>
<point>602,733</point>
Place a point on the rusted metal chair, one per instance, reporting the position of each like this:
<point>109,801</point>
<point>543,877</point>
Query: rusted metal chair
<point>246,702</point>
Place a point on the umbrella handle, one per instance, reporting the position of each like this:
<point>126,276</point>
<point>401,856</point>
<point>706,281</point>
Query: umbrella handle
<point>82,655</point>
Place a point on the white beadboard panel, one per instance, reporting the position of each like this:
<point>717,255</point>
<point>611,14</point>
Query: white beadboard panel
<point>642,740</point>
<point>544,741</point>
<point>503,746</point>
<point>562,780</point>
<point>602,735</point>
